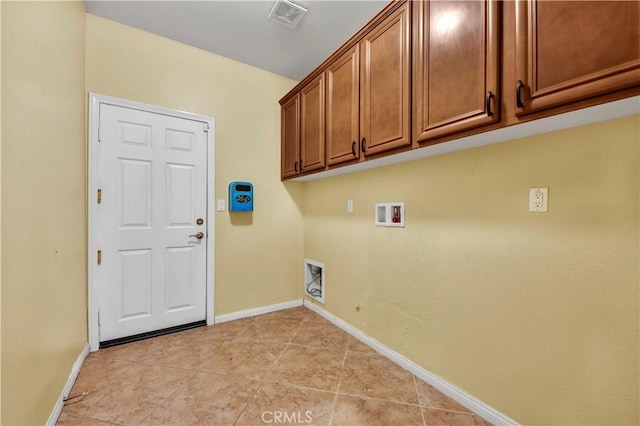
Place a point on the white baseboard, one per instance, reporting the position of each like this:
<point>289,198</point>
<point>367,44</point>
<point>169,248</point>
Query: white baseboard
<point>75,370</point>
<point>480,408</point>
<point>258,311</point>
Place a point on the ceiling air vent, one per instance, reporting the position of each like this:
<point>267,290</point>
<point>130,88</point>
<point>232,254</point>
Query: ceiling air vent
<point>287,13</point>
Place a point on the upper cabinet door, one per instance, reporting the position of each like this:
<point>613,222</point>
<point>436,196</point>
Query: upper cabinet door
<point>572,50</point>
<point>312,125</point>
<point>455,67</point>
<point>384,86</point>
<point>342,108</point>
<point>290,134</point>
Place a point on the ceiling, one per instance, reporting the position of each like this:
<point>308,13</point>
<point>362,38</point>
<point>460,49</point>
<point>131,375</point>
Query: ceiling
<point>240,30</point>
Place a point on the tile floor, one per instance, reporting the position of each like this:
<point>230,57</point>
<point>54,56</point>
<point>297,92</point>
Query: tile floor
<point>286,367</point>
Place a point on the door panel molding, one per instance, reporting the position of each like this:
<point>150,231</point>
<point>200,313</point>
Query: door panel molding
<point>95,100</point>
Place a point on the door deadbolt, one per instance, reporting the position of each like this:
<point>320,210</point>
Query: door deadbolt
<point>199,221</point>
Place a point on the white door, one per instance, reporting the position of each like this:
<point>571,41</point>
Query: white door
<point>153,181</point>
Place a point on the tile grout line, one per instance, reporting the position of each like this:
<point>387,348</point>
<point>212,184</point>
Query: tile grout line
<point>247,404</point>
<point>148,364</point>
<point>284,349</point>
<point>168,396</point>
<point>249,323</point>
<point>80,417</point>
<point>335,396</point>
<point>285,344</point>
<point>297,330</point>
<point>159,404</point>
<point>288,385</point>
<point>392,401</point>
<point>415,384</point>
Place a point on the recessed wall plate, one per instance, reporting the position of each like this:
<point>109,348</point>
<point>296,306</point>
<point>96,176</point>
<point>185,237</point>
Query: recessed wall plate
<point>314,282</point>
<point>390,214</point>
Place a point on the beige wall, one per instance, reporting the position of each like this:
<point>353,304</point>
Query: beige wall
<point>258,257</point>
<point>43,204</point>
<point>0,213</point>
<point>535,314</point>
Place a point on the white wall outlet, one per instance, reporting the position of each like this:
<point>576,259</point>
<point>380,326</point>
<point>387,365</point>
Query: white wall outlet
<point>538,199</point>
<point>221,205</point>
<point>349,206</point>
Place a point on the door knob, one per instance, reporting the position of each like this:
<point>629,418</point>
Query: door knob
<point>198,235</point>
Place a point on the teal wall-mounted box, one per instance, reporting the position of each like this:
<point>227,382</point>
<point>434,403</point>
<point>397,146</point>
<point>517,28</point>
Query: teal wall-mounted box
<point>240,197</point>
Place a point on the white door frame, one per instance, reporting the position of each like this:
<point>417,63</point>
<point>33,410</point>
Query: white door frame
<point>92,187</point>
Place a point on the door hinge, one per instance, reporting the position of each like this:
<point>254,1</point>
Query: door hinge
<point>98,318</point>
<point>99,257</point>
<point>99,138</point>
<point>99,196</point>
<point>206,127</point>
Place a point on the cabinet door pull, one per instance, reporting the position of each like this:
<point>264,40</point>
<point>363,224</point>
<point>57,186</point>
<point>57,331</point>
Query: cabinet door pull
<point>353,148</point>
<point>489,96</point>
<point>519,87</point>
<point>363,144</point>
<point>295,167</point>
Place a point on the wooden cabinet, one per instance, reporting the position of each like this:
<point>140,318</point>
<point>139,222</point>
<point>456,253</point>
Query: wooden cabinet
<point>302,131</point>
<point>426,72</point>
<point>290,135</point>
<point>385,74</point>
<point>455,67</point>
<point>567,51</point>
<point>312,126</point>
<point>343,108</point>
<point>368,92</point>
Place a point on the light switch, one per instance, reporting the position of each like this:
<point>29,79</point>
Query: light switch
<point>349,206</point>
<point>221,205</point>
